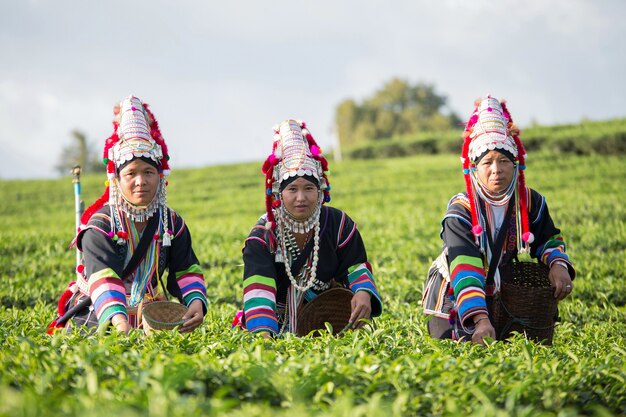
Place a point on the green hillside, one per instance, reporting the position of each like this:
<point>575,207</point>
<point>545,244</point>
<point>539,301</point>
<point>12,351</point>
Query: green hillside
<point>606,137</point>
<point>394,370</point>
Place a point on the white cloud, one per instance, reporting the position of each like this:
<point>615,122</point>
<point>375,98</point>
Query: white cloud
<point>219,75</point>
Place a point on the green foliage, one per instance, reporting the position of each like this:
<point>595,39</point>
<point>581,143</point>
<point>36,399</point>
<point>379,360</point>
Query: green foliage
<point>398,108</point>
<point>392,370</point>
<point>81,153</point>
<point>588,137</point>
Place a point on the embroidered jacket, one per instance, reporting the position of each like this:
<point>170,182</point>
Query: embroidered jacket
<point>104,261</point>
<point>467,264</point>
<point>342,257</point>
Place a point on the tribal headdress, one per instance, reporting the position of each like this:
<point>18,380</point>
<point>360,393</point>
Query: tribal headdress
<point>294,153</point>
<point>491,128</point>
<point>136,134</point>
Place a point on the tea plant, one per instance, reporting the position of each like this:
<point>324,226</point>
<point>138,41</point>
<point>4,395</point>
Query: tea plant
<point>389,369</point>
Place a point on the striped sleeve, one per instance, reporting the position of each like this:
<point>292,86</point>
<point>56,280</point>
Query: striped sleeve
<point>191,284</point>
<point>259,304</point>
<point>360,278</point>
<point>467,271</point>
<point>186,278</point>
<point>467,276</point>
<point>108,294</point>
<point>103,269</point>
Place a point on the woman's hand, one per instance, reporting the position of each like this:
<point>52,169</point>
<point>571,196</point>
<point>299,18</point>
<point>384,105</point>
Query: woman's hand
<point>193,317</point>
<point>120,322</point>
<point>361,305</point>
<point>483,329</point>
<point>560,280</point>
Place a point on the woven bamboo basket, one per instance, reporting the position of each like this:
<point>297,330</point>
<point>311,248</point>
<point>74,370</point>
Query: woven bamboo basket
<point>162,315</point>
<point>331,306</point>
<point>525,303</point>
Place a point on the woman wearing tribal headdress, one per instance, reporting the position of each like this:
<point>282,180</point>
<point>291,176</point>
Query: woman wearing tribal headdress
<point>301,248</point>
<point>487,226</point>
<point>129,236</point>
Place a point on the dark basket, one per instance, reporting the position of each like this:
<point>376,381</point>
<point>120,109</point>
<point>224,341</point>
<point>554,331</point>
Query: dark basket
<point>162,315</point>
<point>525,303</point>
<point>331,306</point>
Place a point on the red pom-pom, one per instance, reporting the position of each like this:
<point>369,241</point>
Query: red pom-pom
<point>477,230</point>
<point>156,236</point>
<point>452,316</point>
<point>63,300</point>
<point>237,320</point>
<point>276,204</point>
<point>324,163</point>
<point>315,150</point>
<point>450,291</point>
<point>528,237</point>
<point>272,159</point>
<point>80,268</point>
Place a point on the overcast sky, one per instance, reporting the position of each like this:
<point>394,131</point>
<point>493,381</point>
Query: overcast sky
<point>219,75</point>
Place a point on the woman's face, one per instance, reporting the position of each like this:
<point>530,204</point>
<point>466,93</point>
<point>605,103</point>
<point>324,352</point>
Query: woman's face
<point>139,182</point>
<point>300,198</point>
<point>495,171</point>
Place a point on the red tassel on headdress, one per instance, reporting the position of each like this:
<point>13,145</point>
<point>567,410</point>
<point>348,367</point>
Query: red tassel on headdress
<point>527,236</point>
<point>476,227</point>
<point>97,205</point>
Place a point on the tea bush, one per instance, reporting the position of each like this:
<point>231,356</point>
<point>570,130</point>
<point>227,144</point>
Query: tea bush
<point>391,369</point>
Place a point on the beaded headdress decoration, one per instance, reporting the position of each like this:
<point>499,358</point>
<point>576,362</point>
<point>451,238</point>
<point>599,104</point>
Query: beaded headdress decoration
<point>491,128</point>
<point>294,153</point>
<point>136,134</point>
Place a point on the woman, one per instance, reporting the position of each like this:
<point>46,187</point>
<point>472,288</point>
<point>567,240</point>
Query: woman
<point>129,236</point>
<point>497,216</point>
<point>300,248</point>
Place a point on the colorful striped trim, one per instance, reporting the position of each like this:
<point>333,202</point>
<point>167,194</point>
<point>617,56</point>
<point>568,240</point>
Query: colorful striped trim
<point>552,250</point>
<point>259,304</point>
<point>191,284</point>
<point>108,313</point>
<point>340,233</point>
<point>360,278</point>
<point>461,199</point>
<point>193,269</point>
<point>257,239</point>
<point>468,281</point>
<point>108,294</point>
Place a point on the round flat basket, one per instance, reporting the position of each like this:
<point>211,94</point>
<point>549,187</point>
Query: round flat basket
<point>525,303</point>
<point>162,315</point>
<point>331,306</point>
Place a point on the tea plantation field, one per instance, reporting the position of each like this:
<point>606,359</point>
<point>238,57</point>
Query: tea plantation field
<point>392,370</point>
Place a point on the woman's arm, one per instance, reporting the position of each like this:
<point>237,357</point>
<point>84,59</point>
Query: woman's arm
<point>467,271</point>
<point>353,258</point>
<point>103,267</point>
<point>259,286</point>
<point>185,278</point>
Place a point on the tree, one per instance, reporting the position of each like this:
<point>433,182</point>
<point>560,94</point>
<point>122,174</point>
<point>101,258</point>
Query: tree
<point>398,108</point>
<point>80,152</point>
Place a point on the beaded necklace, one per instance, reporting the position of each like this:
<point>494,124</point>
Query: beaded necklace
<point>283,232</point>
<point>143,213</point>
<point>146,268</point>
